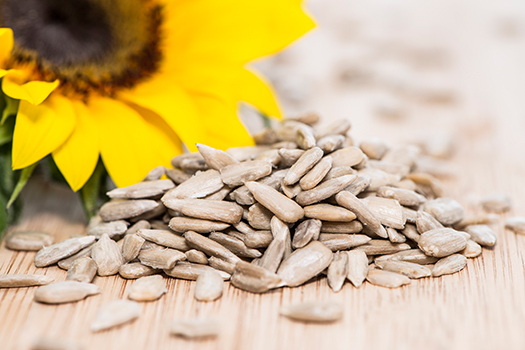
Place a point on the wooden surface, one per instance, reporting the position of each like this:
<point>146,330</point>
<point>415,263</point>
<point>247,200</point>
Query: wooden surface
<point>482,307</point>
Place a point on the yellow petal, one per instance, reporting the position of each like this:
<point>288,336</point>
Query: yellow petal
<point>230,31</point>
<point>253,89</point>
<point>34,92</point>
<point>6,43</point>
<point>164,97</point>
<point>39,130</point>
<point>132,140</point>
<point>77,157</point>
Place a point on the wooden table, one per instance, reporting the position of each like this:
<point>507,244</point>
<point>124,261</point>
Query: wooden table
<point>482,307</point>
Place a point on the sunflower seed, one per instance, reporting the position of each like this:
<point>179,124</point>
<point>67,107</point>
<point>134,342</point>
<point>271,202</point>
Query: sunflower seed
<point>357,267</point>
<point>115,313</point>
<point>190,271</point>
<point>28,240</point>
<point>139,190</point>
<point>337,271</point>
<point>113,228</point>
<point>472,249</point>
<point>325,190</point>
<point>359,185</point>
<point>415,256</point>
<point>496,203</point>
<point>374,148</point>
<point>316,174</point>
<point>304,137</point>
<point>165,238</point>
<point>404,197</point>
<point>442,242</point>
<point>349,156</point>
<point>258,239</point>
<point>305,232</point>
<point>274,254</point>
<point>476,220</point>
<point>253,278</point>
<point>265,137</point>
<point>337,127</point>
<point>408,269</point>
<point>198,186</point>
<point>209,210</point>
<point>426,222</point>
<point>107,255</point>
<point>387,278</point>
<point>165,258</point>
<point>339,171</point>
<point>291,191</point>
<point>246,153</point>
<point>304,264</point>
<point>395,169</point>
<point>342,241</point>
<point>516,225</point>
<point>410,215</point>
<point>214,158</point>
<point>352,203</point>
<point>209,286</point>
<point>306,118</point>
<point>342,227</point>
<point>148,288</point>
<point>235,245</point>
<point>314,311</point>
<point>387,211</point>
<point>196,328</point>
<point>221,265</point>
<point>244,197</point>
<point>330,143</point>
<point>237,174</point>
<point>82,270</point>
<point>152,214</point>
<point>124,209</point>
<point>427,180</point>
<point>394,236</point>
<point>446,210</point>
<point>56,344</point>
<point>410,232</point>
<point>131,247</point>
<point>19,280</point>
<point>290,156</point>
<point>184,224</point>
<point>482,234</point>
<point>449,265</point>
<point>136,270</point>
<point>196,256</point>
<point>65,292</point>
<point>306,162</point>
<point>284,208</point>
<point>271,156</point>
<point>177,176</point>
<point>65,264</point>
<point>210,247</point>
<point>379,247</point>
<point>58,251</point>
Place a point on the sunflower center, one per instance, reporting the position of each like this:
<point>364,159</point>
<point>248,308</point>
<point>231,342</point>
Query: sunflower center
<point>90,45</point>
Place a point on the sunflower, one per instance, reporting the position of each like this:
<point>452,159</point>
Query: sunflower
<point>131,81</point>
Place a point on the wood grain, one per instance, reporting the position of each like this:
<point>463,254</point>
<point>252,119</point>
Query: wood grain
<point>482,307</point>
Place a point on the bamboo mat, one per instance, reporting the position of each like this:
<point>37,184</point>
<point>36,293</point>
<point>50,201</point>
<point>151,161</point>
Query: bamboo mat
<point>482,307</point>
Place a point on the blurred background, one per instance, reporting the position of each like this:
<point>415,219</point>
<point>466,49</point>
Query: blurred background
<point>398,66</point>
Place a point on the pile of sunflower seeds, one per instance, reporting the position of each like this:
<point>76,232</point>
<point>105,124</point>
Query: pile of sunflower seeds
<point>305,202</point>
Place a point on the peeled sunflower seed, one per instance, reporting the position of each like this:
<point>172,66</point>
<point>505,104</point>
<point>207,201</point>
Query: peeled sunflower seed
<point>183,224</point>
<point>209,286</point>
<point>342,241</point>
<point>266,137</point>
<point>196,328</point>
<point>210,247</point>
<point>237,174</point>
<point>412,255</point>
<point>330,143</point>
<point>426,222</point>
<point>374,148</point>
<point>337,127</point>
<point>426,180</point>
<point>339,171</point>
<point>328,212</point>
<point>132,243</point>
<point>357,269</point>
<point>58,251</point>
<point>394,236</point>
<point>124,209</point>
<point>290,156</point>
<point>380,246</point>
<point>291,191</point>
<point>387,211</point>
<point>253,278</point>
<point>496,203</point>
<point>28,240</point>
<point>65,292</point>
<point>442,242</point>
<point>404,197</point>
<point>275,252</point>
<point>107,255</point>
<point>214,210</point>
<point>446,210</point>
<point>45,343</point>
<point>304,137</point>
<point>451,264</point>
<point>349,156</point>
<point>316,174</point>
<point>177,176</point>
<point>482,234</point>
<point>341,227</point>
<point>165,238</point>
<point>516,224</point>
<point>352,203</point>
<point>165,258</point>
<point>82,270</point>
<point>337,271</point>
<point>378,178</point>
<point>19,280</point>
<point>259,217</point>
<point>235,245</point>
<point>472,249</point>
<point>325,190</point>
<point>306,162</point>
<point>305,232</point>
<point>214,158</point>
<point>410,232</point>
<point>65,264</point>
<point>396,169</point>
<point>148,288</point>
<point>115,313</point>
<point>304,264</point>
<point>408,269</point>
<point>387,278</point>
<point>136,270</point>
<point>145,189</point>
<point>258,239</point>
<point>196,256</point>
<point>358,185</point>
<point>198,186</point>
<point>283,207</point>
<point>314,311</point>
<point>221,265</point>
<point>113,228</point>
<point>190,271</point>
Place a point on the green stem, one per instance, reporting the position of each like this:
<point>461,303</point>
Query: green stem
<point>22,181</point>
<point>89,194</point>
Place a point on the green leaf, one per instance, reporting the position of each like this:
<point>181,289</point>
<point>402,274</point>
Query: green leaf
<point>89,193</point>
<point>10,108</point>
<point>22,181</point>
<point>6,131</point>
<point>3,215</point>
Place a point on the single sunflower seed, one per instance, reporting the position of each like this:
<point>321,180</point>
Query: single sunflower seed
<point>136,270</point>
<point>124,209</point>
<point>352,203</point>
<point>209,286</point>
<point>190,271</point>
<point>115,313</point>
<point>306,162</point>
<point>65,292</point>
<point>337,271</point>
<point>446,210</point>
<point>184,224</point>
<point>141,190</point>
<point>411,270</point>
<point>163,258</point>
<point>237,174</point>
<point>387,279</point>
<point>305,232</point>
<point>449,265</point>
<point>210,247</point>
<point>357,267</point>
<point>28,240</point>
<point>61,250</point>
<point>23,280</point>
<point>107,255</point>
<point>284,208</point>
<point>196,328</point>
<point>482,234</point>
<point>132,243</point>
<point>325,190</point>
<point>82,270</point>
<point>254,279</point>
<point>148,288</point>
<point>516,225</point>
<point>328,212</point>
<point>314,311</point>
<point>442,242</point>
<point>342,241</point>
